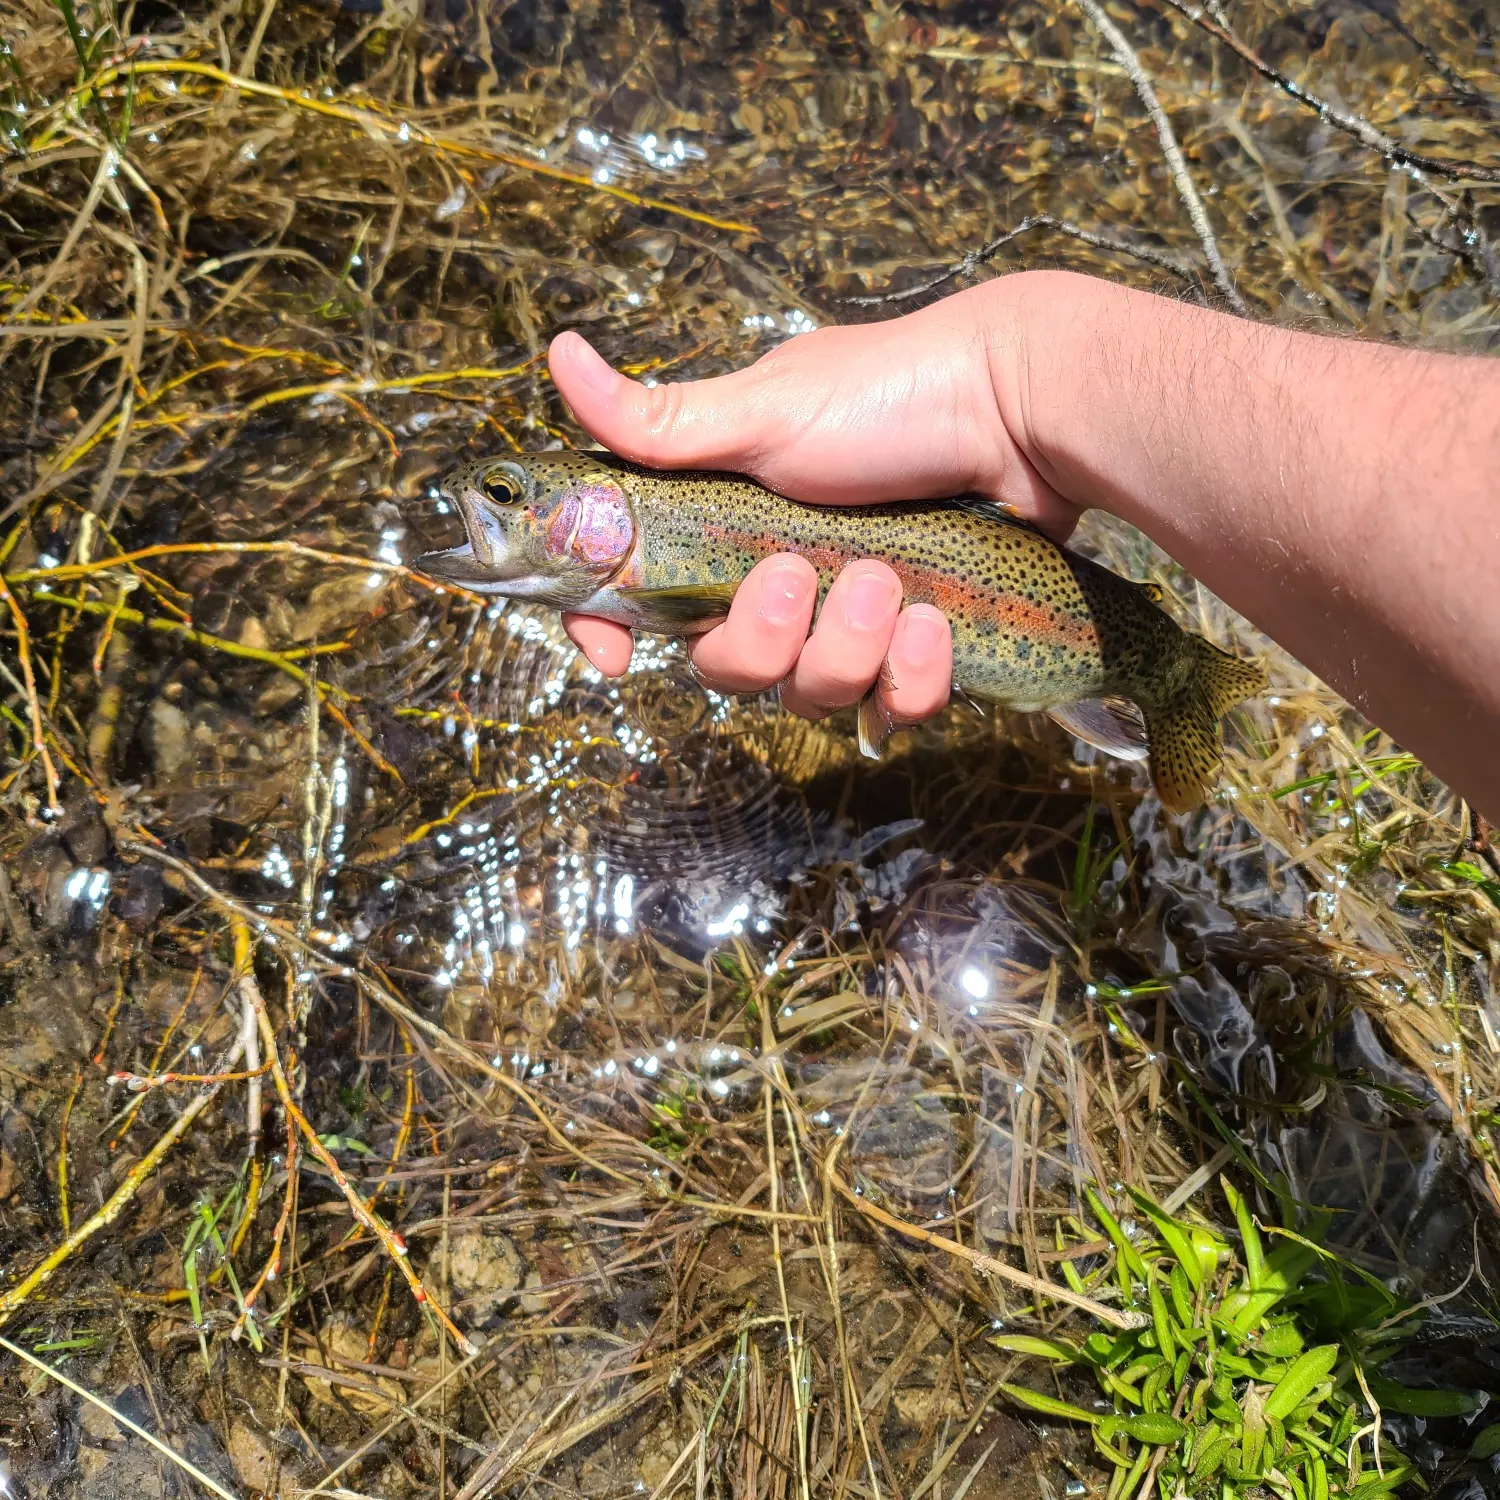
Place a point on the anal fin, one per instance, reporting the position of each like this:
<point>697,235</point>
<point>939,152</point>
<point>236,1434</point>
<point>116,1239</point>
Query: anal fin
<point>1112,725</point>
<point>874,725</point>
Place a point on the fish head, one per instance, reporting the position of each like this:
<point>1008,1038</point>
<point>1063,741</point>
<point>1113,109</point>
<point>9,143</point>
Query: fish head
<point>550,527</point>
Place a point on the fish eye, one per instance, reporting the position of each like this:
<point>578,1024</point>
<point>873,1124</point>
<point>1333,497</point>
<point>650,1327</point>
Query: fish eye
<point>500,488</point>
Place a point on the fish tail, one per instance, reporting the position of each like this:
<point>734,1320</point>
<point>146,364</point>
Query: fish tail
<point>1183,732</point>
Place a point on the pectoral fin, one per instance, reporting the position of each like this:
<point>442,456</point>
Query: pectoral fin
<point>680,609</point>
<point>1108,724</point>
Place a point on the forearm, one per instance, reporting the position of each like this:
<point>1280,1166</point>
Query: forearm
<point>1336,493</point>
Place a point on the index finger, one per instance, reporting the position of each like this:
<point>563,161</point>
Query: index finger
<point>608,646</point>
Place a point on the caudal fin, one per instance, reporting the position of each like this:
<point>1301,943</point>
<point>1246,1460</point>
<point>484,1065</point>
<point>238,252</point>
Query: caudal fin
<point>1184,733</point>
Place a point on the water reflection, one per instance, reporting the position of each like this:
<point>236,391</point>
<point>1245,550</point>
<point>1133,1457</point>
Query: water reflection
<point>713,951</point>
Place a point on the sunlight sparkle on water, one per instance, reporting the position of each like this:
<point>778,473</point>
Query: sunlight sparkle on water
<point>733,921</point>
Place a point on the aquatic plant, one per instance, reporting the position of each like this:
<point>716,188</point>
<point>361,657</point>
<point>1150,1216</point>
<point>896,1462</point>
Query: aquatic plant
<point>378,985</point>
<point>1259,1371</point>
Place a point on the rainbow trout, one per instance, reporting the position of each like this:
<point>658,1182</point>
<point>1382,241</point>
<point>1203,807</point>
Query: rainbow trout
<point>1036,628</point>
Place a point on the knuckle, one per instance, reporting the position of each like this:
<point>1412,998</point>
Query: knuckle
<point>795,703</point>
<point>661,411</point>
<point>834,684</point>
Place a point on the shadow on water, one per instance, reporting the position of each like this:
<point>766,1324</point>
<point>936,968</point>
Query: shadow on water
<point>713,1078</point>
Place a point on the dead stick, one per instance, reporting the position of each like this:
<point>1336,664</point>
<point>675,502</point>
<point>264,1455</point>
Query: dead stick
<point>392,1242</point>
<point>38,736</point>
<point>1038,1284</point>
<point>972,261</point>
<point>1186,190</point>
<point>1361,129</point>
<point>12,1300</point>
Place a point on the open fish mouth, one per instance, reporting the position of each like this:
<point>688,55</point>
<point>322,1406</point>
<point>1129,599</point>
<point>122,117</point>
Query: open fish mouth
<point>463,564</point>
<point>460,565</point>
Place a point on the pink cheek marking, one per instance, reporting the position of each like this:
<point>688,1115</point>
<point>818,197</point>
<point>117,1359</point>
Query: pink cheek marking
<point>561,526</point>
<point>607,532</point>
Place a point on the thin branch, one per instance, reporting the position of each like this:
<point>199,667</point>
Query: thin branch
<point>1115,1317</point>
<point>38,734</point>
<point>16,1297</point>
<point>391,1242</point>
<point>1187,191</point>
<point>987,252</point>
<point>1365,133</point>
<point>211,1485</point>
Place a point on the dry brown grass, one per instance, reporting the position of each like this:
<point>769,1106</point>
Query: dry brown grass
<point>269,271</point>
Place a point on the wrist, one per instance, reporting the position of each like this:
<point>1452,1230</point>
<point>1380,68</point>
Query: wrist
<point>1157,411</point>
<point>1042,339</point>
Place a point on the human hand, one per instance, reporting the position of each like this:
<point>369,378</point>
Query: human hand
<point>906,409</point>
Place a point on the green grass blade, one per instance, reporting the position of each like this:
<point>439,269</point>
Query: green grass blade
<point>1162,1324</point>
<point>1243,1311</point>
<point>1108,1451</point>
<point>1420,1403</point>
<point>1299,1382</point>
<point>1181,1287</point>
<point>1317,1479</point>
<point>1487,1444</point>
<point>1255,1256</point>
<point>1130,1257</point>
<point>1229,1137</point>
<point>1207,1464</point>
<point>1050,1405</point>
<point>1154,1427</point>
<point>1025,1343</point>
<point>1176,1237</point>
<point>1280,1341</point>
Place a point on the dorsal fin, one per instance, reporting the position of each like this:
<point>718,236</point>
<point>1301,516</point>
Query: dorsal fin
<point>993,510</point>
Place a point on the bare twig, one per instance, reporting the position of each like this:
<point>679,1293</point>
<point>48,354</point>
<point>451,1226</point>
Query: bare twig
<point>1351,124</point>
<point>250,1041</point>
<point>1039,1285</point>
<point>987,252</point>
<point>171,1454</point>
<point>12,1300</point>
<point>390,1241</point>
<point>1186,190</point>
<point>38,735</point>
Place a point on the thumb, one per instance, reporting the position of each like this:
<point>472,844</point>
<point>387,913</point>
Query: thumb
<point>688,424</point>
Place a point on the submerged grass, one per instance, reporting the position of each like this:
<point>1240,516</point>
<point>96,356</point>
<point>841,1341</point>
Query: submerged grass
<point>429,1069</point>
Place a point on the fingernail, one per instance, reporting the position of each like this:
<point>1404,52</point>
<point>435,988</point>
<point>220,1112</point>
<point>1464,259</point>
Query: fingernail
<point>783,595</point>
<point>590,366</point>
<point>922,639</point>
<point>867,605</point>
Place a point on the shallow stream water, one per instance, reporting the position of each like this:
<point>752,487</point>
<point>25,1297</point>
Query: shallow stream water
<point>588,980</point>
